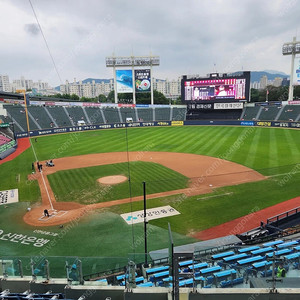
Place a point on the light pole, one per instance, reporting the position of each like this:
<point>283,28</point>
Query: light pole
<point>145,225</point>
<point>291,48</point>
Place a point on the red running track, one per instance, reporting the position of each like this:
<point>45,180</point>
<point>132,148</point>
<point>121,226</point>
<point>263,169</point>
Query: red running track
<point>23,144</point>
<point>248,222</point>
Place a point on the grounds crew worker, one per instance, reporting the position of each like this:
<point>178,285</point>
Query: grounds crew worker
<point>281,271</point>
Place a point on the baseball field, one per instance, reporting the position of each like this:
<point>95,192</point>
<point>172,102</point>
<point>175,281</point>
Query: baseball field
<point>210,175</point>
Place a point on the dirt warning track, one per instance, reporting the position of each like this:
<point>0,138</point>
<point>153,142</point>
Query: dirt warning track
<point>205,173</point>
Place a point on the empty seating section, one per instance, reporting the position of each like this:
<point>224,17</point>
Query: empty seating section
<point>77,114</point>
<point>17,113</point>
<point>230,268</point>
<point>69,116</point>
<point>248,249</point>
<point>178,114</point>
<point>59,115</point>
<point>290,113</point>
<point>286,244</point>
<point>251,112</point>
<point>145,114</point>
<point>5,119</point>
<point>273,243</point>
<point>94,114</point>
<point>262,250</point>
<point>4,139</point>
<point>162,114</point>
<point>223,254</point>
<point>40,115</point>
<point>269,113</point>
<point>111,114</point>
<point>128,112</point>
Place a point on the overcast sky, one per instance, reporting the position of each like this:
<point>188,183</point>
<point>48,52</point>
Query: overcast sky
<point>191,37</point>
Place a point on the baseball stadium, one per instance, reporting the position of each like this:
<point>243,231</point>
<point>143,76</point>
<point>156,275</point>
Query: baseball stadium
<point>125,197</point>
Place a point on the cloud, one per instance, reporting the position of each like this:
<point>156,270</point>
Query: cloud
<point>189,36</point>
<point>32,29</point>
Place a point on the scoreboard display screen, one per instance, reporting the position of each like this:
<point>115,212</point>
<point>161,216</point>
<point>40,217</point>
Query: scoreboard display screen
<point>216,88</point>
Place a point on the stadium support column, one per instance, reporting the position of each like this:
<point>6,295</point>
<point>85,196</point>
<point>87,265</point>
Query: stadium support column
<point>291,88</point>
<point>133,84</point>
<point>115,85</point>
<point>151,86</point>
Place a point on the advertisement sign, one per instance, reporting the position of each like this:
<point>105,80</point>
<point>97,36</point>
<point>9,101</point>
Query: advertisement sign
<point>142,80</point>
<point>247,123</point>
<point>132,61</point>
<point>200,106</point>
<point>265,124</point>
<point>124,81</point>
<point>9,196</point>
<point>280,124</point>
<point>177,123</point>
<point>126,105</point>
<point>295,102</point>
<point>151,214</point>
<point>297,72</point>
<point>237,105</point>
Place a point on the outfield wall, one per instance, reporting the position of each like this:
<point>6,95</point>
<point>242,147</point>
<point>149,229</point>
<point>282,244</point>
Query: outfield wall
<point>69,129</point>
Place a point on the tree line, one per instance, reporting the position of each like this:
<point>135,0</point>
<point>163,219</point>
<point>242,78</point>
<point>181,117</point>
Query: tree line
<point>141,98</point>
<point>273,93</point>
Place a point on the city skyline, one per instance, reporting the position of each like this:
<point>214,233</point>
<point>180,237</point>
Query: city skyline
<point>229,36</point>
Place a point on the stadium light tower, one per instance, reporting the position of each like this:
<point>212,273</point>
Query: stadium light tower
<point>291,48</point>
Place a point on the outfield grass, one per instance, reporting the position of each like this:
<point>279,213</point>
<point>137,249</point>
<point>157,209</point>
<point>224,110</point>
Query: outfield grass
<point>80,185</point>
<point>224,204</point>
<point>258,148</point>
<point>271,151</point>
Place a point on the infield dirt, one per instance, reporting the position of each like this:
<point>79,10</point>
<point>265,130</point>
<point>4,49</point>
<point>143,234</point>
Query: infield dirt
<point>205,173</point>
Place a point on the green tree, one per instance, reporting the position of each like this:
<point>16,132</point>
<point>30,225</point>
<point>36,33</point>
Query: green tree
<point>74,97</point>
<point>145,98</point>
<point>102,98</point>
<point>297,92</point>
<point>86,99</point>
<point>254,95</point>
<point>111,97</point>
<point>177,101</point>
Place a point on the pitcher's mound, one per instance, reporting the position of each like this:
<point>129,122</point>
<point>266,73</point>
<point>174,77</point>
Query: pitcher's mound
<point>112,179</point>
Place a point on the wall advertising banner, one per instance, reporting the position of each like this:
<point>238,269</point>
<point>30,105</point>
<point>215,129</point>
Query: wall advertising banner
<point>124,81</point>
<point>9,196</point>
<point>142,80</point>
<point>237,105</point>
<point>297,72</point>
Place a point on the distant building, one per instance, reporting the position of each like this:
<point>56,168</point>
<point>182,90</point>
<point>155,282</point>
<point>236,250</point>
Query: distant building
<point>5,86</point>
<point>277,81</point>
<point>263,82</point>
<point>89,89</point>
<point>171,89</point>
<point>285,82</point>
<point>255,85</point>
<point>39,87</point>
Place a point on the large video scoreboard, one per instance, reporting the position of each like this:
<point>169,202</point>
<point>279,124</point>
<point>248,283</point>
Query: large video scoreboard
<point>216,88</point>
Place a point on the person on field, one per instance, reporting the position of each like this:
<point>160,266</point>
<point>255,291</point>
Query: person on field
<point>46,213</point>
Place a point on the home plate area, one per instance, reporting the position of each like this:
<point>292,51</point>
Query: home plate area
<point>151,214</point>
<point>52,213</point>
